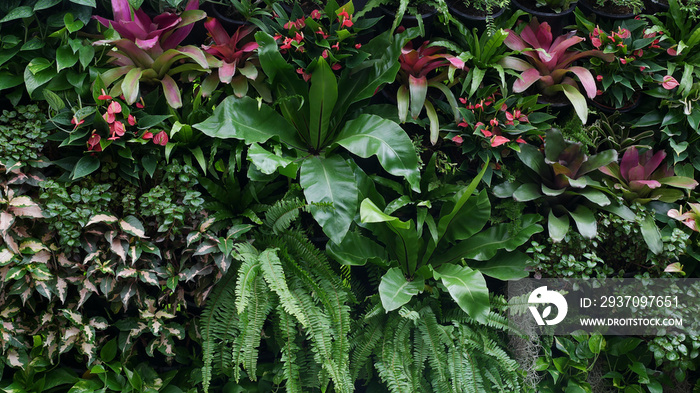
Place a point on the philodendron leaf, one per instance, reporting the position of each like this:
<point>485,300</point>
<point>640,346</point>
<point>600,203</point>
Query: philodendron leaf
<point>395,290</point>
<point>85,166</point>
<point>557,226</point>
<point>243,118</point>
<point>266,161</point>
<point>468,289</point>
<point>371,135</point>
<point>330,180</point>
<point>356,250</point>
<point>585,221</point>
<point>484,245</point>
<point>651,235</point>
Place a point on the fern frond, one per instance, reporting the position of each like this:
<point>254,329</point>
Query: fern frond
<point>363,344</point>
<point>216,321</point>
<point>246,276</point>
<point>273,273</point>
<point>281,214</point>
<point>390,364</point>
<point>245,351</point>
<point>288,332</point>
<point>434,338</point>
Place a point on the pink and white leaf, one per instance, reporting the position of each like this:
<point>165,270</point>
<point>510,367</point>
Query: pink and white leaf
<point>172,92</point>
<point>586,79</point>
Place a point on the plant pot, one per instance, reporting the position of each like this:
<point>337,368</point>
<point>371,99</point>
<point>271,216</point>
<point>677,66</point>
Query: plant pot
<point>608,110</point>
<point>653,7</point>
<point>408,21</point>
<point>556,20</point>
<point>471,20</point>
<point>559,105</point>
<point>608,14</point>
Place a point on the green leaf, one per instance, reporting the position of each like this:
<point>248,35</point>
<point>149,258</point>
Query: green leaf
<point>130,85</point>
<point>484,245</point>
<point>504,266</point>
<point>45,4</point>
<point>554,145</point>
<point>577,100</point>
<point>356,250</point>
<point>533,159</point>
<point>370,213</point>
<point>240,118</point>
<point>54,100</point>
<point>85,166</point>
<point>33,81</point>
<point>371,135</point>
<point>322,97</point>
<point>527,192</point>
<point>468,289</point>
<point>651,235</point>
<point>447,221</point>
<point>89,3</point>
<point>585,221</point>
<point>266,161</point>
<point>132,226</point>
<point>596,343</point>
<point>65,57</point>
<point>597,161</point>
<point>639,369</point>
<point>395,290</point>
<point>109,351</point>
<point>330,180</point>
<point>595,196</point>
<point>557,226</point>
<point>24,11</point>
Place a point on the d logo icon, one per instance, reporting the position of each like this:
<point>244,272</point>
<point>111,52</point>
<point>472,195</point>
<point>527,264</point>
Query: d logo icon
<point>542,296</point>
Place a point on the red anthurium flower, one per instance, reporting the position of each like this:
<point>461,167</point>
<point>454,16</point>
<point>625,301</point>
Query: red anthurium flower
<point>104,96</point>
<point>131,120</point>
<point>77,123</point>
<point>117,129</point>
<point>669,82</point>
<point>457,139</point>
<point>161,138</point>
<point>316,14</point>
<point>147,135</point>
<point>93,143</point>
<point>344,19</point>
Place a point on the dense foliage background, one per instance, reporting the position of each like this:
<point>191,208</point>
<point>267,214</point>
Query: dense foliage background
<point>231,196</point>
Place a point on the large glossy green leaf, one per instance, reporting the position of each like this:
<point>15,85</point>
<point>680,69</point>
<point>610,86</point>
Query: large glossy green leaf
<point>554,145</point>
<point>527,192</point>
<point>356,250</point>
<point>241,118</point>
<point>449,226</point>
<point>534,160</point>
<point>370,213</point>
<point>85,166</point>
<point>322,97</point>
<point>651,235</point>
<point>371,135</point>
<point>598,160</point>
<point>557,226</point>
<point>330,180</point>
<point>595,196</point>
<point>484,245</point>
<point>468,289</point>
<point>65,57</point>
<point>266,161</point>
<point>395,290</point>
<point>504,266</point>
<point>585,221</point>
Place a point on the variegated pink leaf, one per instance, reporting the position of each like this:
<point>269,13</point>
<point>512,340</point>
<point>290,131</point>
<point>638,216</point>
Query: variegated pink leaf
<point>171,91</point>
<point>526,80</point>
<point>586,79</point>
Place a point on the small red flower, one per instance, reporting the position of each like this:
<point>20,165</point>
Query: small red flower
<point>93,143</point>
<point>140,104</point>
<point>499,140</point>
<point>672,51</point>
<point>132,120</point>
<point>599,78</point>
<point>457,139</point>
<point>316,14</point>
<point>104,96</point>
<point>77,123</point>
<point>336,67</point>
<point>161,138</point>
<point>358,46</point>
<point>463,123</point>
<point>147,135</point>
<point>463,100</point>
<point>322,33</point>
<point>344,19</point>
<point>287,44</point>
<point>494,122</point>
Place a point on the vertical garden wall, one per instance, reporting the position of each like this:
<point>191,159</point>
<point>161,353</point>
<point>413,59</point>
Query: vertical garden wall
<point>260,196</point>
